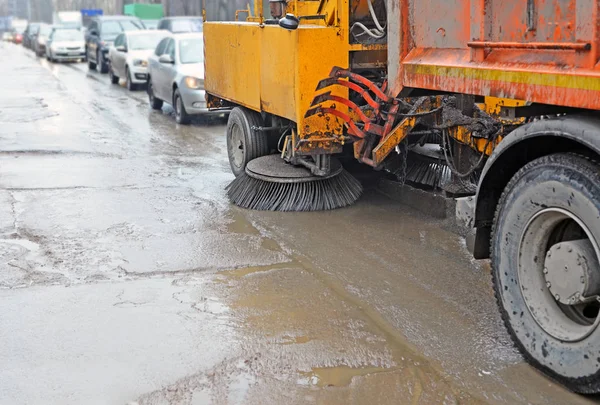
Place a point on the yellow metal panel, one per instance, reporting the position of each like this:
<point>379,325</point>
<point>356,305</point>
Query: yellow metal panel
<point>232,61</point>
<point>278,56</point>
<point>319,50</point>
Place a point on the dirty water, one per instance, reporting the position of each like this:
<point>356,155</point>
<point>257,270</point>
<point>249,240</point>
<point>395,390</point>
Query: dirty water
<point>127,278</point>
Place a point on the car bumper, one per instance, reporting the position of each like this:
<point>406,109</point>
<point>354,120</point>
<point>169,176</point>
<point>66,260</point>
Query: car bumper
<point>139,74</point>
<point>66,56</point>
<point>194,102</point>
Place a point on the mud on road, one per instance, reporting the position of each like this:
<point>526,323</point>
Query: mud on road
<point>127,278</point>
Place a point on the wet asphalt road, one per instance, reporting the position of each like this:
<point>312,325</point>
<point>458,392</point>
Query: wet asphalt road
<point>127,278</point>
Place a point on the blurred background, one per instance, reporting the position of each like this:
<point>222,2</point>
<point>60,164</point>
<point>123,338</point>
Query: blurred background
<point>42,10</point>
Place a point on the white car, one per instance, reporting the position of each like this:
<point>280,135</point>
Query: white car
<point>128,56</point>
<point>65,45</point>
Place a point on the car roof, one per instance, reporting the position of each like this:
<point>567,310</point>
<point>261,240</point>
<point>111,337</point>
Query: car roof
<point>142,32</point>
<point>115,17</point>
<point>183,17</point>
<point>186,35</point>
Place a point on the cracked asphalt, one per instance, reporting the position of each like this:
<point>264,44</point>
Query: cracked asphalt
<point>127,278</point>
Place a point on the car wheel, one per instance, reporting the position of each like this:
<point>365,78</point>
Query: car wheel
<point>131,86</point>
<point>113,78</point>
<point>155,103</point>
<point>91,65</point>
<point>101,62</point>
<point>181,116</point>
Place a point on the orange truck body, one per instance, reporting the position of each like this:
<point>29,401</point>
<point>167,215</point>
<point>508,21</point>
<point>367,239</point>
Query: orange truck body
<point>541,51</point>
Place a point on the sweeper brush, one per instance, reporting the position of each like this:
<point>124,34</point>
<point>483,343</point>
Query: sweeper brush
<point>271,184</point>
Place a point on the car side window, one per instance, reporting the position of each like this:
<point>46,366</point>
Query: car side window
<point>171,49</point>
<point>160,48</point>
<point>119,40</point>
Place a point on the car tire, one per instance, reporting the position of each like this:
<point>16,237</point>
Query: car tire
<point>91,65</point>
<point>101,63</point>
<point>131,86</point>
<point>243,143</point>
<point>528,225</point>
<point>155,103</point>
<point>114,79</point>
<point>181,116</point>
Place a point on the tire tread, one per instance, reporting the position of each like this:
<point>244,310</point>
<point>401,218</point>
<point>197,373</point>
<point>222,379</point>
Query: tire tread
<point>588,167</point>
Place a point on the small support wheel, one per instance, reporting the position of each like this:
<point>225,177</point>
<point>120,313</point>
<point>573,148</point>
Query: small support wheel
<point>243,143</point>
<point>545,256</point>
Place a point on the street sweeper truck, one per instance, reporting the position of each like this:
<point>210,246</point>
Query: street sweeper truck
<point>498,99</point>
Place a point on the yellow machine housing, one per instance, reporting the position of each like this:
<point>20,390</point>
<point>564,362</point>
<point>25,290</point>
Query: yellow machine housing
<point>275,71</point>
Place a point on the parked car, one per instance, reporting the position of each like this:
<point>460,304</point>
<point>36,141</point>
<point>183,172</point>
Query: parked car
<point>65,44</point>
<point>180,24</point>
<point>101,34</point>
<point>29,34</point>
<point>39,43</point>
<point>150,24</point>
<point>176,76</point>
<point>7,36</point>
<point>17,38</point>
<point>128,57</point>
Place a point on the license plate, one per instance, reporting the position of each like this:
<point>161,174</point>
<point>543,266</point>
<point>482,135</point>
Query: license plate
<point>73,53</point>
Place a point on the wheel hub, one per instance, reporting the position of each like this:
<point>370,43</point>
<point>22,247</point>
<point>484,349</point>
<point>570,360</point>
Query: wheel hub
<point>571,271</point>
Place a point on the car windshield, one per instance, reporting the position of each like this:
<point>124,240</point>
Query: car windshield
<point>188,25</point>
<point>191,50</point>
<point>150,24</point>
<point>45,30</point>
<point>67,35</point>
<point>149,41</point>
<point>129,25</point>
<point>111,28</point>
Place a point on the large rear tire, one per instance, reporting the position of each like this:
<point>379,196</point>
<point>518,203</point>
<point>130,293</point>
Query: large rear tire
<point>552,202</point>
<point>244,143</point>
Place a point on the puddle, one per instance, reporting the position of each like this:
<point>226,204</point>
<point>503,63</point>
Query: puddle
<point>336,376</point>
<point>294,340</point>
<point>244,271</point>
<point>240,224</point>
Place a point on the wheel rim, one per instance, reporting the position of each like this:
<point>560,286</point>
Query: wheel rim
<point>236,146</point>
<point>546,232</point>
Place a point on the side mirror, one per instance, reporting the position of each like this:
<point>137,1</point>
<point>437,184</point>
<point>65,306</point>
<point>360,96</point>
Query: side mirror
<point>121,48</point>
<point>166,59</point>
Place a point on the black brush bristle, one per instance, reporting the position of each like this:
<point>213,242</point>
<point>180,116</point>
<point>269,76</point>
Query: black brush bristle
<point>317,195</point>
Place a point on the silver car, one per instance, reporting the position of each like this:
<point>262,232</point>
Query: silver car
<point>128,56</point>
<point>176,76</point>
<point>65,45</point>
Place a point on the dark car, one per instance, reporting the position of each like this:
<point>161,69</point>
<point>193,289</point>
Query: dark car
<point>180,24</point>
<point>30,34</point>
<point>101,34</point>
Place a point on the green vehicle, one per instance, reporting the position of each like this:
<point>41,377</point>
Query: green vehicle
<point>148,13</point>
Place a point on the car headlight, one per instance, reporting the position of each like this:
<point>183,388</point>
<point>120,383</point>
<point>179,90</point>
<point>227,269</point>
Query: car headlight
<point>194,82</point>
<point>140,62</point>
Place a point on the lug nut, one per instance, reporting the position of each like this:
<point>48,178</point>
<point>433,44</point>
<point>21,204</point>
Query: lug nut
<point>548,284</point>
<point>545,270</point>
<point>582,279</point>
<point>557,297</point>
